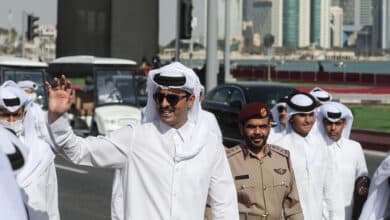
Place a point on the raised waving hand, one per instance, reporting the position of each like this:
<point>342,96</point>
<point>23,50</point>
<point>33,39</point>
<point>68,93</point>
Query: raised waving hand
<point>60,97</point>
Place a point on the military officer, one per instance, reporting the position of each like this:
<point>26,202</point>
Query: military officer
<point>263,174</point>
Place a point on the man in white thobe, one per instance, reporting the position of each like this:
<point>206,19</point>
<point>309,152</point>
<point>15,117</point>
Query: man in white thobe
<point>168,164</point>
<point>336,121</point>
<point>377,206</point>
<point>310,159</point>
<point>38,178</point>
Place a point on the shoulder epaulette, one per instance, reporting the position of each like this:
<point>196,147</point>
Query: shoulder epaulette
<point>232,151</point>
<point>280,150</point>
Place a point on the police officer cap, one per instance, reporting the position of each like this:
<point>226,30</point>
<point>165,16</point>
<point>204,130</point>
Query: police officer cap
<point>253,110</point>
<point>301,102</point>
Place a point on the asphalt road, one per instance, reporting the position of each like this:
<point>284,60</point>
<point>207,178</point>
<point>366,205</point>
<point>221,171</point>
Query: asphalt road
<point>85,193</point>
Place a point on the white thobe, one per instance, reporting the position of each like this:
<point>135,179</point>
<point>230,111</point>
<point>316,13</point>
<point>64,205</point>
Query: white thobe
<point>11,204</point>
<point>314,171</point>
<point>153,184</point>
<point>276,133</point>
<point>39,186</point>
<point>350,164</point>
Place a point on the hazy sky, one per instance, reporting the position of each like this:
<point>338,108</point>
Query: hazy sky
<point>11,15</point>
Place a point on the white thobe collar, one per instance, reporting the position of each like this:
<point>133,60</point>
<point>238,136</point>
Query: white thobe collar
<point>184,132</point>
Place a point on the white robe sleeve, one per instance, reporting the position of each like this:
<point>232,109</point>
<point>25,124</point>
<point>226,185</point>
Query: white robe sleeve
<point>361,166</point>
<point>111,151</point>
<point>222,191</point>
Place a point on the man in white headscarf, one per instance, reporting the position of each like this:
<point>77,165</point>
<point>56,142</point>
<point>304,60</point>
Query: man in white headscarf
<point>335,123</point>
<point>310,159</point>
<point>168,164</point>
<point>321,95</point>
<point>38,178</point>
<point>377,206</point>
<point>279,116</point>
<point>12,158</point>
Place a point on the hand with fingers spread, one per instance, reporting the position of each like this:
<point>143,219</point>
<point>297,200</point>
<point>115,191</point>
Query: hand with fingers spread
<point>60,97</point>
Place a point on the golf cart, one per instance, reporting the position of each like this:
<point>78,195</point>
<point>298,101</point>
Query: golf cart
<point>110,96</point>
<point>18,69</point>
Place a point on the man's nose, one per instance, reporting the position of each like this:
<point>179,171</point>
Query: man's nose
<point>11,118</point>
<point>164,102</point>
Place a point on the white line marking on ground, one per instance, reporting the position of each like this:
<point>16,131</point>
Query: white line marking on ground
<point>375,153</point>
<point>71,169</point>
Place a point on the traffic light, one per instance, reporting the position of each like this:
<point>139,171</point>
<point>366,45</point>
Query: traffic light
<point>31,26</point>
<point>185,19</point>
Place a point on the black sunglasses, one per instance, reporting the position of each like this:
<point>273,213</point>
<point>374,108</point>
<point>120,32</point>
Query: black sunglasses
<point>281,109</point>
<point>172,99</point>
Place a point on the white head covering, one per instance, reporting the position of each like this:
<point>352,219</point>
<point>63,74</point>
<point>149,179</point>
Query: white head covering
<point>12,97</point>
<point>379,193</point>
<point>27,84</point>
<point>174,71</point>
<point>299,103</point>
<point>335,111</point>
<point>321,95</point>
<point>191,85</point>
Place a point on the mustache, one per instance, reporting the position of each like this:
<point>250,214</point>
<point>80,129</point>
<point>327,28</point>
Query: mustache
<point>257,136</point>
<point>168,108</point>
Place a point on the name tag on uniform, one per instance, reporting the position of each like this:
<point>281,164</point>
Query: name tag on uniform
<point>242,177</point>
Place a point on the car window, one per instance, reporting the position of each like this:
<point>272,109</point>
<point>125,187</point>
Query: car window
<point>236,96</point>
<point>268,95</point>
<point>221,95</point>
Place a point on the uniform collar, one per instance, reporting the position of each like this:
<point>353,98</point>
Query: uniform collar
<point>247,152</point>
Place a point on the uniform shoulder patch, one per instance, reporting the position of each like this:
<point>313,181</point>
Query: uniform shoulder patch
<point>232,151</point>
<point>280,150</point>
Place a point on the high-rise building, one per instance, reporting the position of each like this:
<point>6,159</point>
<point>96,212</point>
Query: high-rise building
<point>277,22</point>
<point>260,13</point>
<point>304,22</point>
<point>319,23</point>
<point>366,12</point>
<point>108,28</point>
<point>235,20</point>
<point>290,23</point>
<point>385,23</point>
<point>336,26</point>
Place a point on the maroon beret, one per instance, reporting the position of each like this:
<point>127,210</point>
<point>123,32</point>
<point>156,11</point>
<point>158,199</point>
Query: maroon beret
<point>253,110</point>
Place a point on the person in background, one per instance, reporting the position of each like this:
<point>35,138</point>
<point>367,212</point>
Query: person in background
<point>321,95</point>
<point>38,178</point>
<point>336,121</point>
<point>167,175</point>
<point>279,116</point>
<point>377,205</point>
<point>263,174</point>
<point>311,160</point>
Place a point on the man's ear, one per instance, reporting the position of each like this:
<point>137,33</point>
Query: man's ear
<point>190,101</point>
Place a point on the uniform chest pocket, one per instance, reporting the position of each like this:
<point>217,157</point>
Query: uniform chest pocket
<point>281,183</point>
<point>246,190</point>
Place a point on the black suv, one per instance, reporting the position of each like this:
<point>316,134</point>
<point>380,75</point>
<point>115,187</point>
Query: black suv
<point>226,101</point>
